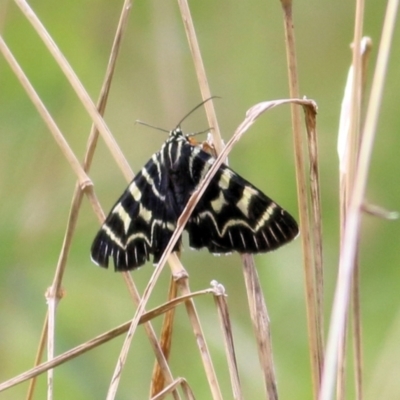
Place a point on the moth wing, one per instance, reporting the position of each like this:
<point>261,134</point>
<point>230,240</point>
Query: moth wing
<point>140,224</point>
<point>233,215</point>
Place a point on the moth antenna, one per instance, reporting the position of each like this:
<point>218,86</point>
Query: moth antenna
<point>199,133</point>
<point>150,126</point>
<point>194,109</point>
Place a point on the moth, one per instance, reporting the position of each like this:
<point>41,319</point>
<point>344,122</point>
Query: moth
<point>232,215</point>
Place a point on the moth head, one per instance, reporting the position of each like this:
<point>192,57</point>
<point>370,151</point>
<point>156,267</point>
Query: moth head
<point>207,145</point>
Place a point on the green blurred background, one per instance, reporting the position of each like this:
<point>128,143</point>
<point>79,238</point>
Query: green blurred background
<point>244,55</point>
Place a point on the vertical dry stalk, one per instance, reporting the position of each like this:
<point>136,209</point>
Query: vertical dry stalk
<point>158,380</point>
<point>223,312</point>
<point>311,251</point>
<point>200,72</point>
<point>181,277</point>
<point>260,319</point>
<point>346,168</point>
<point>352,228</point>
<point>316,221</point>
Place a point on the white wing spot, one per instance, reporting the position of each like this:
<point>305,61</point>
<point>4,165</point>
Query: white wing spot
<point>135,191</point>
<point>145,213</point>
<point>121,212</point>
<point>266,216</point>
<point>225,179</point>
<point>219,202</point>
<point>244,202</point>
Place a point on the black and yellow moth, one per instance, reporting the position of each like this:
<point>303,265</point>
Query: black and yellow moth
<point>232,215</point>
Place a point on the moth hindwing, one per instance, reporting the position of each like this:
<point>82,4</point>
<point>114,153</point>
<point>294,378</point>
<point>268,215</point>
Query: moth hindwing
<point>232,214</point>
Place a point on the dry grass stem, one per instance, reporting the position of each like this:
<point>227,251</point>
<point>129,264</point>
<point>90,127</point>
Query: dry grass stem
<point>172,387</point>
<point>200,72</point>
<point>353,215</point>
<point>362,49</point>
<point>346,169</point>
<point>347,158</point>
<point>314,302</point>
<point>105,89</point>
<point>379,212</point>
<point>260,319</point>
<point>75,207</point>
<point>316,221</point>
<point>99,340</point>
<point>357,332</point>
<point>158,380</point>
<point>84,180</point>
<point>223,312</point>
<point>38,358</point>
<point>78,87</point>
<point>181,277</point>
<point>157,349</point>
<point>173,260</point>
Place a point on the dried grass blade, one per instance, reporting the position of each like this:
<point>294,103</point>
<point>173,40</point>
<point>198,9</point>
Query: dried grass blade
<point>346,170</point>
<point>78,88</point>
<point>105,88</point>
<point>316,221</point>
<point>38,358</point>
<point>181,277</point>
<point>172,259</point>
<point>223,312</point>
<point>352,228</point>
<point>158,380</point>
<point>258,309</point>
<point>200,72</point>
<point>379,212</point>
<point>357,332</point>
<point>179,381</point>
<point>84,180</point>
<point>260,319</point>
<point>309,251</point>
<point>99,340</point>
